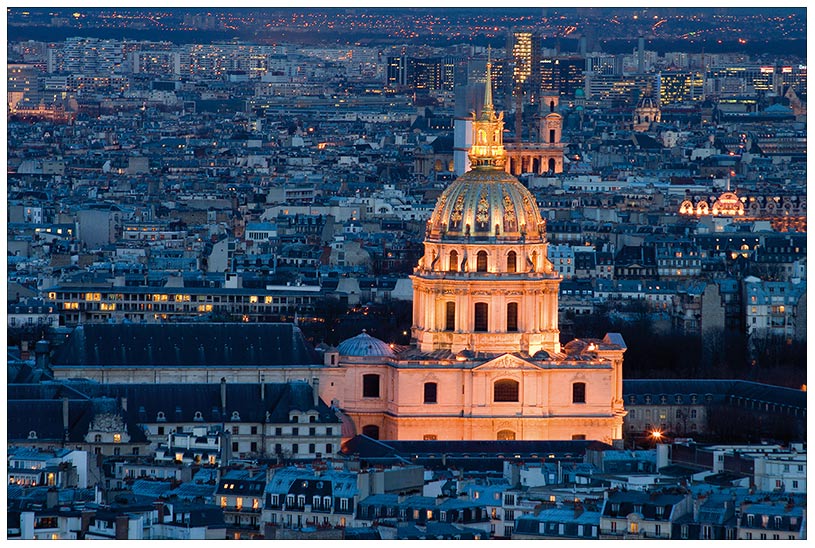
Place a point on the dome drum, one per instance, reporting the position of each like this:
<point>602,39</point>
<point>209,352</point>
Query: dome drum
<point>492,258</point>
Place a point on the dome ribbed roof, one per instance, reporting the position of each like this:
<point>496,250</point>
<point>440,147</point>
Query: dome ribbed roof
<point>364,345</point>
<point>647,102</point>
<point>486,202</point>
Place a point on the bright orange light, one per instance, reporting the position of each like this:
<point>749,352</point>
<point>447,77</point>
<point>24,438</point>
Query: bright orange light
<point>656,434</point>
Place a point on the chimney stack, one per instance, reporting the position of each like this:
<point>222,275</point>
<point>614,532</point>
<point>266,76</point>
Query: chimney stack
<point>65,421</point>
<point>223,396</point>
<point>315,389</point>
<point>52,498</point>
<point>41,352</point>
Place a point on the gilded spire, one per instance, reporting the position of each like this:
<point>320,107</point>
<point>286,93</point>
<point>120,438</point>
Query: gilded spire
<point>488,139</point>
<point>488,108</point>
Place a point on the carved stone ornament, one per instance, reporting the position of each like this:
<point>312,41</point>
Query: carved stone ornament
<point>508,361</point>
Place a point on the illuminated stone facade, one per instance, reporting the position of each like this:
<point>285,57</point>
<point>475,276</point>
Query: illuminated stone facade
<point>486,362</point>
<point>546,155</point>
<point>785,213</point>
<point>647,112</point>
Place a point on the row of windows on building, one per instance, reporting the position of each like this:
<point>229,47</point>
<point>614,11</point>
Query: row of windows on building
<point>296,448</point>
<point>299,502</point>
<point>481,317</point>
<point>481,261</point>
<point>504,390</point>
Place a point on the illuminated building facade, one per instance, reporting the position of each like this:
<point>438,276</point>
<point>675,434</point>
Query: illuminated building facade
<point>681,87</point>
<point>564,74</point>
<point>486,362</point>
<point>545,155</point>
<point>647,111</point>
<point>785,213</point>
<point>524,52</point>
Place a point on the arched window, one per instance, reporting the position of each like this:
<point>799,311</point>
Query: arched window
<point>430,392</point>
<point>481,316</point>
<point>97,438</point>
<point>512,262</point>
<point>505,390</point>
<point>512,316</point>
<point>481,261</point>
<point>370,386</point>
<point>551,106</point>
<point>450,316</point>
<point>534,259</point>
<point>579,392</point>
<point>371,430</point>
<point>453,266</point>
<point>551,136</point>
<point>506,435</point>
<point>552,164</point>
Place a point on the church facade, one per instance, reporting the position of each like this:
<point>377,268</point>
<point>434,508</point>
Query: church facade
<point>486,362</point>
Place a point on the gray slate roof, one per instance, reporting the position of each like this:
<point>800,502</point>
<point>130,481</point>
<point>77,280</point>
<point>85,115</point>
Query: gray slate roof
<point>185,344</point>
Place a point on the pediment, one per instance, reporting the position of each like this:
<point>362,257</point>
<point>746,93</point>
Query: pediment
<point>507,361</point>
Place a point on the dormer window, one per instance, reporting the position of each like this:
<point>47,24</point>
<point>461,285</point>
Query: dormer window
<point>198,416</point>
<point>32,435</point>
<point>160,416</point>
<point>235,416</point>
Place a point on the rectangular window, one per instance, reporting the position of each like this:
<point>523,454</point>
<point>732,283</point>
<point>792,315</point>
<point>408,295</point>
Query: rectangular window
<point>481,316</point>
<point>512,317</point>
<point>579,392</point>
<point>430,392</point>
<point>370,386</point>
<point>450,316</point>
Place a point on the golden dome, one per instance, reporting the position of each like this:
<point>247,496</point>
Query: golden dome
<point>486,202</point>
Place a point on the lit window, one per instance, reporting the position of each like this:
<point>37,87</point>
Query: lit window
<point>117,438</point>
